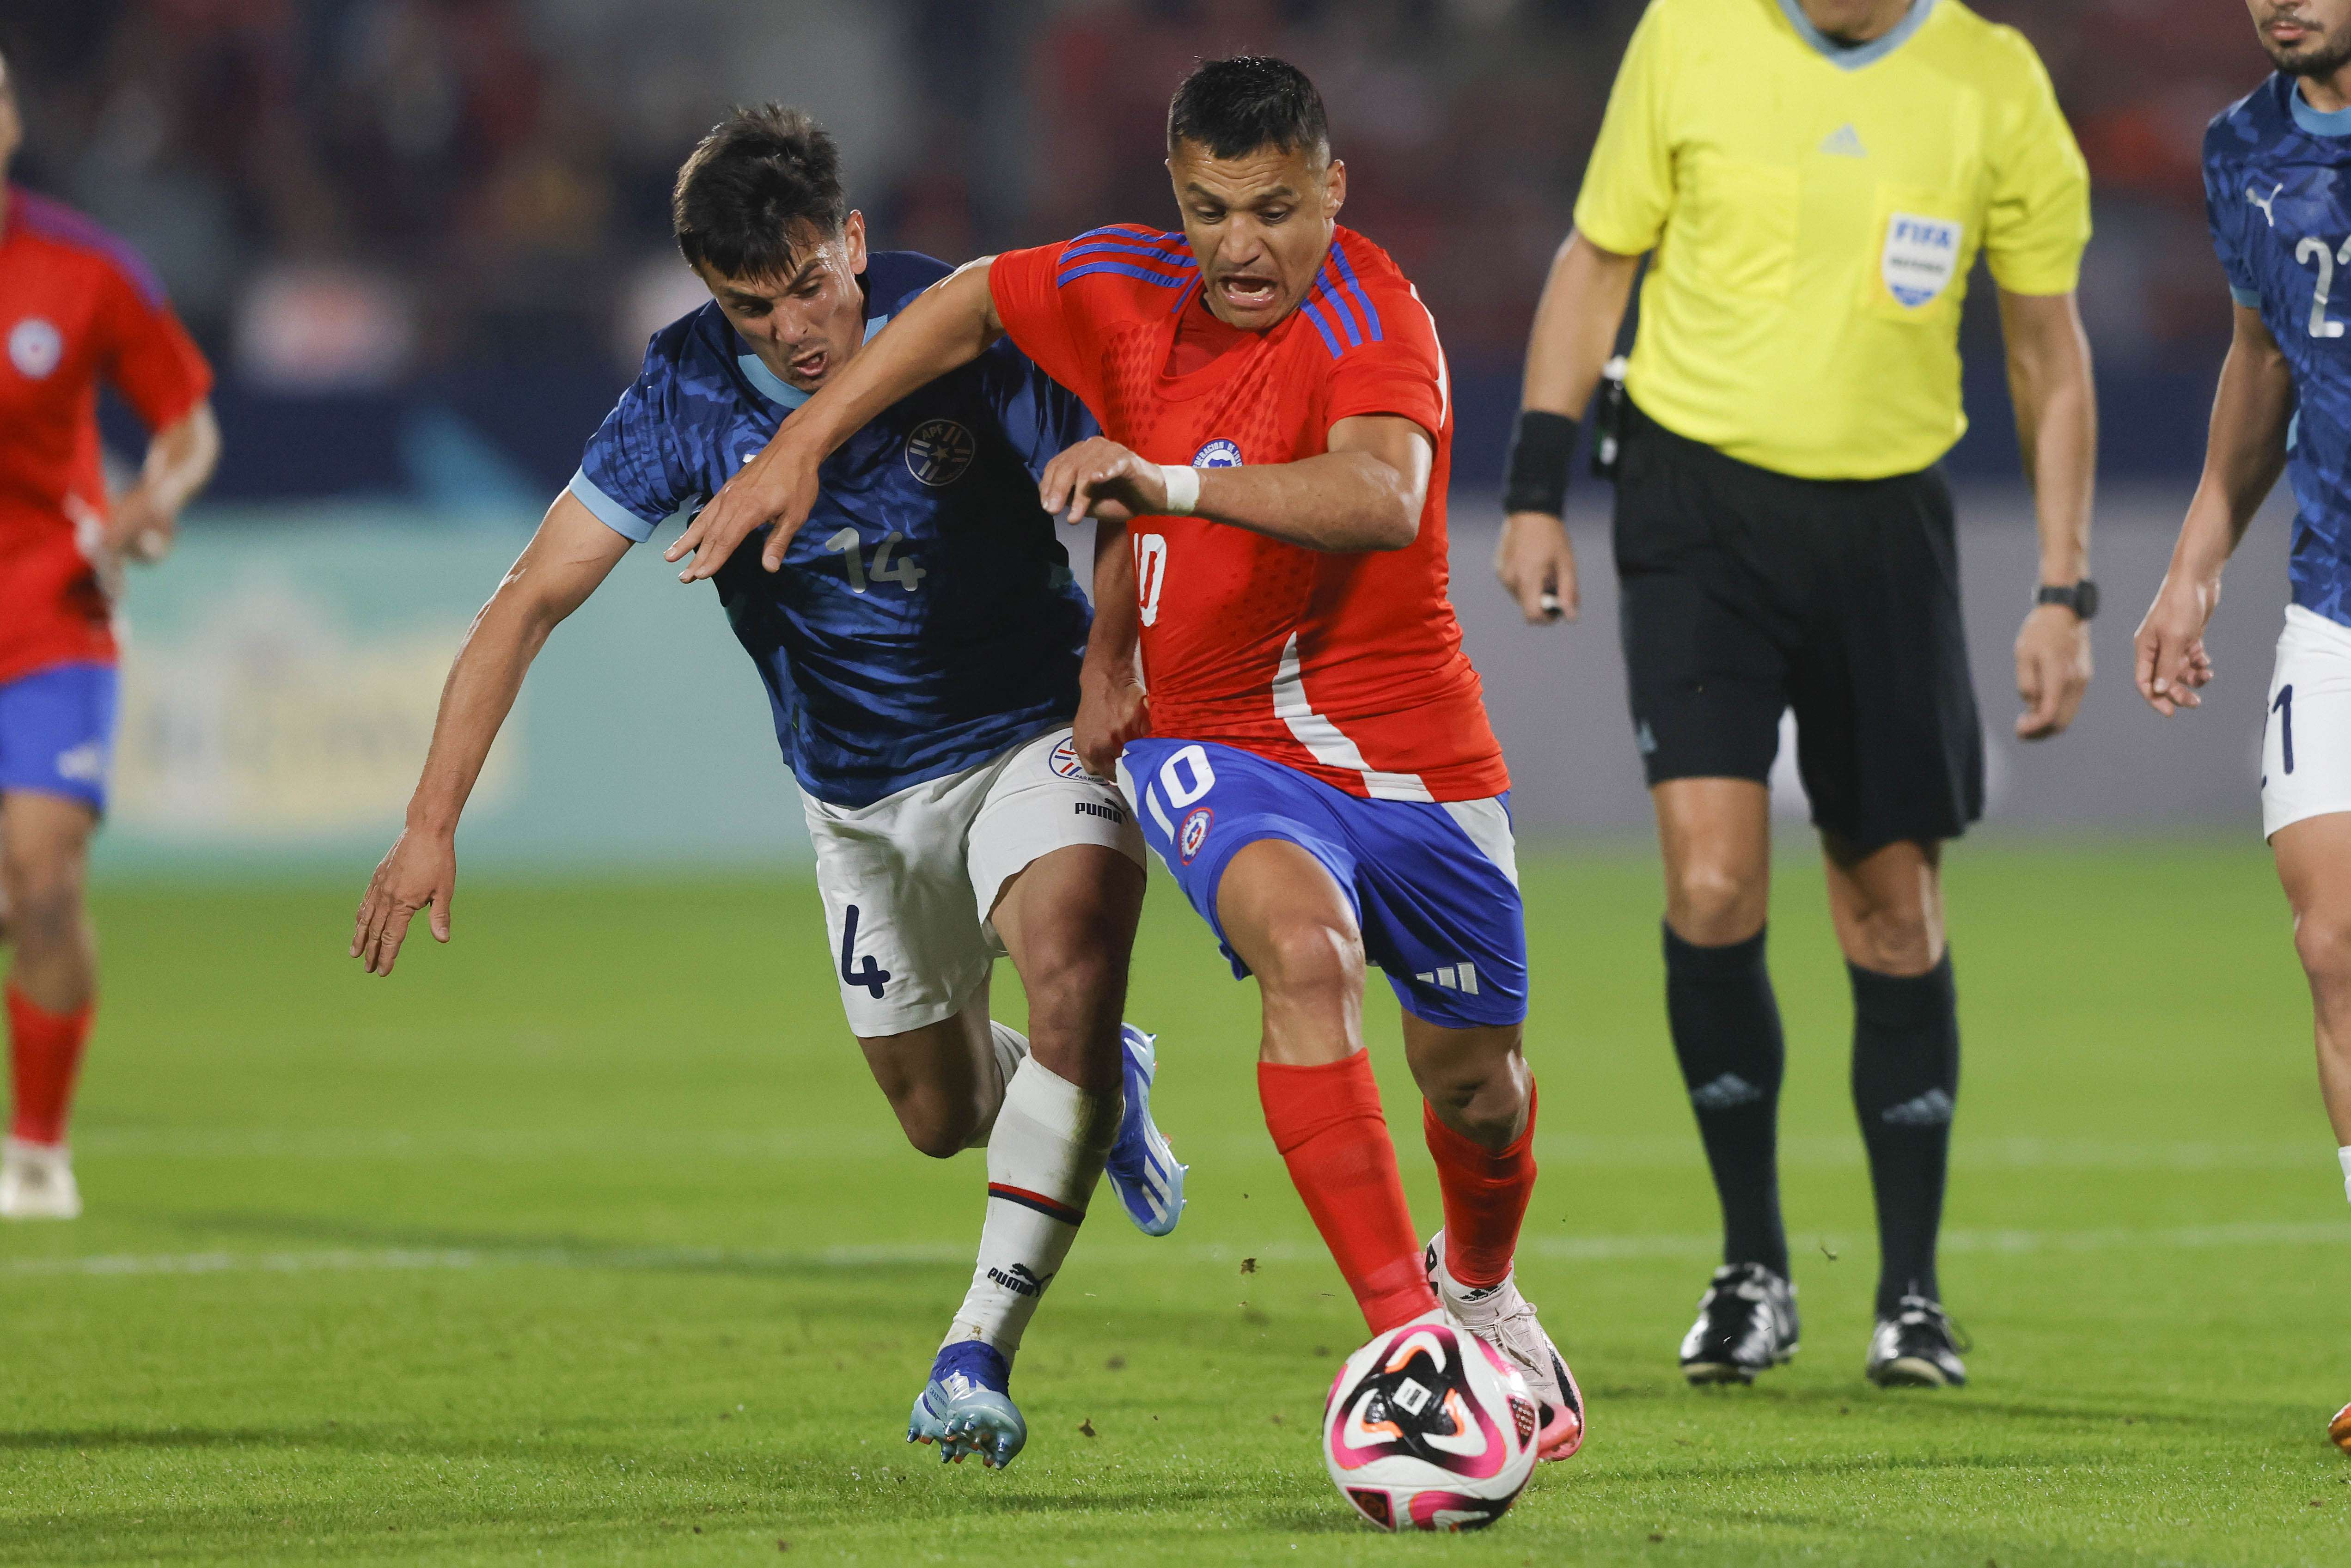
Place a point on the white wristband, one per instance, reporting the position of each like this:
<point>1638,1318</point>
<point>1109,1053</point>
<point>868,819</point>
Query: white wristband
<point>1183,483</point>
<point>2345,1154</point>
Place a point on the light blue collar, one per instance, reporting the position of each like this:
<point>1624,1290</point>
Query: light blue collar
<point>1853,57</point>
<point>2318,122</point>
<point>776,390</point>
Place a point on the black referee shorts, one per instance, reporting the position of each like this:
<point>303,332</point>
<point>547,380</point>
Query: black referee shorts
<point>1747,593</point>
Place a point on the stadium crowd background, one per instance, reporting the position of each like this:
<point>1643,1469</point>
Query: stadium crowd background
<point>425,239</point>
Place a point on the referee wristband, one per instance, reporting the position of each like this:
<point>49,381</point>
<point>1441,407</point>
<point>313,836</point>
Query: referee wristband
<point>1541,449</point>
<point>1183,483</point>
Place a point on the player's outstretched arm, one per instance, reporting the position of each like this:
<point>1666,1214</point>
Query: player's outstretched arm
<point>2056,401</point>
<point>1574,333</point>
<point>569,555</point>
<point>2243,456</point>
<point>179,461</point>
<point>1113,708</point>
<point>1365,493</point>
<point>951,324</point>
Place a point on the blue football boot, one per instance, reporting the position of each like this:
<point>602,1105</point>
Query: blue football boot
<point>1142,1168</point>
<point>965,1407</point>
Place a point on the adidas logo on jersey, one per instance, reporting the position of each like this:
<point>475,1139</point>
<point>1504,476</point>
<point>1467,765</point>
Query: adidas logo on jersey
<point>1844,143</point>
<point>1462,977</point>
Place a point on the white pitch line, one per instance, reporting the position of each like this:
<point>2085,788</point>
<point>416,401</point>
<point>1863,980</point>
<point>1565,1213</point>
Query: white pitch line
<point>1557,1249</point>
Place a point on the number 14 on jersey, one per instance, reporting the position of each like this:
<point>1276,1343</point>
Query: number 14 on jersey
<point>905,570</point>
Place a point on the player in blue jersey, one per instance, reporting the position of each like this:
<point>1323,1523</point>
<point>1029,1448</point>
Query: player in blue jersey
<point>2277,183</point>
<point>920,652</point>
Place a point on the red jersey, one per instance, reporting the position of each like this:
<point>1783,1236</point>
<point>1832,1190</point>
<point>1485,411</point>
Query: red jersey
<point>1348,667</point>
<point>76,307</point>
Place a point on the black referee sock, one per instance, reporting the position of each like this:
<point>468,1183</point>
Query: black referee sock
<point>1906,1083</point>
<point>1726,1027</point>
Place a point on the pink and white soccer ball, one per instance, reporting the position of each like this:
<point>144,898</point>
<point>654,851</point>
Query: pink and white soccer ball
<point>1429,1428</point>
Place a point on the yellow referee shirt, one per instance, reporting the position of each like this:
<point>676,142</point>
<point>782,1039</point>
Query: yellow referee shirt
<point>1816,211</point>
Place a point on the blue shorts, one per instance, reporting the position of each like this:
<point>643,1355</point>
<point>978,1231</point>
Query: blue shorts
<point>1435,886</point>
<point>56,732</point>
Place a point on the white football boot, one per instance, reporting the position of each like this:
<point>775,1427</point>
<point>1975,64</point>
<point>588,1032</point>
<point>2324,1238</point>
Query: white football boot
<point>1506,1319</point>
<point>37,1182</point>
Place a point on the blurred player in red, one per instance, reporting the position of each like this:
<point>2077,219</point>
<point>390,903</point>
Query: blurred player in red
<point>76,307</point>
<point>1312,761</point>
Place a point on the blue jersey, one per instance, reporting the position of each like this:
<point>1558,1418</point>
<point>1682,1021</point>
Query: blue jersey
<point>2277,185</point>
<point>925,618</point>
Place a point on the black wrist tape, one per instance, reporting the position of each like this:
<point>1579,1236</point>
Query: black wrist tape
<point>1541,449</point>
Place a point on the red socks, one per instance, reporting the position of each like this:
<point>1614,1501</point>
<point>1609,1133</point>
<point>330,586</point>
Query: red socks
<point>1486,1193</point>
<point>44,1055</point>
<point>1326,1121</point>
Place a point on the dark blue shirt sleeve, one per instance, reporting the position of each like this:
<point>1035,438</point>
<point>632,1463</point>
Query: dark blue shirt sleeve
<point>633,475</point>
<point>2225,206</point>
<point>1040,417</point>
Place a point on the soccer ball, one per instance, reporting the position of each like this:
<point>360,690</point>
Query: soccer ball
<point>1428,1427</point>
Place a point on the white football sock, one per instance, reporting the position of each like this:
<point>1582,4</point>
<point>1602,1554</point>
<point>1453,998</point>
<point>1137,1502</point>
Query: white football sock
<point>1010,1048</point>
<point>2344,1154</point>
<point>1043,1161</point>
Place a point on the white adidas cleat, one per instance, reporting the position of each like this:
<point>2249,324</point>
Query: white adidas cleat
<point>1506,1319</point>
<point>37,1182</point>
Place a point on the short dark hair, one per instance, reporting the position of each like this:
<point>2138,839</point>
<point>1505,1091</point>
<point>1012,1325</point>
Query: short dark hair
<point>1235,107</point>
<point>759,174</point>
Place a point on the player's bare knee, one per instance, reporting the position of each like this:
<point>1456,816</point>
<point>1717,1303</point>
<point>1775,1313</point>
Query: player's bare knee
<point>1480,1092</point>
<point>1068,977</point>
<point>1305,958</point>
<point>1892,941</point>
<point>43,892</point>
<point>1711,904</point>
<point>2322,939</point>
<point>936,1126</point>
<point>942,1141</point>
<point>1488,1110</point>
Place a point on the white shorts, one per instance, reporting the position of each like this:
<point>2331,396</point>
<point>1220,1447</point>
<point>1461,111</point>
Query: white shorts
<point>2306,742</point>
<point>909,881</point>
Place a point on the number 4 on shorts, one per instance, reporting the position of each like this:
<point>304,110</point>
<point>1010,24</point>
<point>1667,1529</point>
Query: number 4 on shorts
<point>871,975</point>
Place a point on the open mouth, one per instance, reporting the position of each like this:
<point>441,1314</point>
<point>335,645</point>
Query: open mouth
<point>810,366</point>
<point>1247,291</point>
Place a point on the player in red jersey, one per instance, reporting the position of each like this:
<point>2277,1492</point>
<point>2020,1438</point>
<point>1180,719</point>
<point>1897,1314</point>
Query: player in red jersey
<point>1312,760</point>
<point>76,307</point>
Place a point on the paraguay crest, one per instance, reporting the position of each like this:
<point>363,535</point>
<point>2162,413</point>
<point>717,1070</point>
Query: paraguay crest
<point>939,450</point>
<point>1922,256</point>
<point>1065,762</point>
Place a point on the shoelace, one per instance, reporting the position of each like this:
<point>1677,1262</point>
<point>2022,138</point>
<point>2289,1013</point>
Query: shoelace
<point>1917,1311</point>
<point>1526,1343</point>
<point>1502,1323</point>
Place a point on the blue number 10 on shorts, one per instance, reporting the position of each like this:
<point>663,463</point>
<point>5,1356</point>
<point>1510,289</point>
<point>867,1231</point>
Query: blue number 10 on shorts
<point>1434,885</point>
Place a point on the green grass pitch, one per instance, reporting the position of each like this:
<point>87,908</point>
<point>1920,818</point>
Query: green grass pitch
<point>586,1239</point>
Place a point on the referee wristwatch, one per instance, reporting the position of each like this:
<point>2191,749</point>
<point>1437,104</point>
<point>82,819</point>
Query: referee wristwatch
<point>2081,599</point>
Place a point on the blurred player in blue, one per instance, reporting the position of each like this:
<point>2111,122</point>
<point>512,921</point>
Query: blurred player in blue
<point>921,651</point>
<point>2277,183</point>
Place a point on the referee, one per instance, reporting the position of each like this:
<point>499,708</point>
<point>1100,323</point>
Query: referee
<point>1812,181</point>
